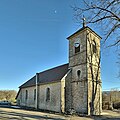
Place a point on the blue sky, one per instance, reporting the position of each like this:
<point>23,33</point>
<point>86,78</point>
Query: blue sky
<point>33,38</point>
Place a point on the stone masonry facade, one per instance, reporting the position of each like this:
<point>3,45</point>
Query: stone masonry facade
<point>83,93</point>
<point>74,86</point>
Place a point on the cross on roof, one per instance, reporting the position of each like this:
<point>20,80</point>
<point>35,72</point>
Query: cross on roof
<point>84,21</point>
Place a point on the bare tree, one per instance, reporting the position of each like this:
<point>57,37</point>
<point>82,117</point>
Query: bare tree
<point>104,13</point>
<point>118,65</point>
<point>105,100</point>
<point>115,95</point>
<point>8,95</point>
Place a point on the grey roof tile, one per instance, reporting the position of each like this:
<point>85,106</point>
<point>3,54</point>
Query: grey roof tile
<point>51,75</point>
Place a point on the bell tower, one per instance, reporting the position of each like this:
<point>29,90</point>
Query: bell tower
<point>83,83</point>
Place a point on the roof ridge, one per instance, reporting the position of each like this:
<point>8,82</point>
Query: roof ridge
<point>52,68</point>
<point>48,72</point>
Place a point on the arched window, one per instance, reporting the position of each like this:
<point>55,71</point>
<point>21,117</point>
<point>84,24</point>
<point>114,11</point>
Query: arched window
<point>94,47</point>
<point>26,94</point>
<point>34,94</point>
<point>47,94</point>
<point>78,73</point>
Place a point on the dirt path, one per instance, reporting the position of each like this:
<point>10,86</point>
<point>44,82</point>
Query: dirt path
<point>19,114</point>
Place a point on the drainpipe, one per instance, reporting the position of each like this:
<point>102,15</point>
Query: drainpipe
<point>37,90</point>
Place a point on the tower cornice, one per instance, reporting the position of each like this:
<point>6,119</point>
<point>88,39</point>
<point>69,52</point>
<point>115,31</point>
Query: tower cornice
<point>83,29</point>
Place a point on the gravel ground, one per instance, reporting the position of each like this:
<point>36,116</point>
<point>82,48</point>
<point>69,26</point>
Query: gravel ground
<point>7,113</point>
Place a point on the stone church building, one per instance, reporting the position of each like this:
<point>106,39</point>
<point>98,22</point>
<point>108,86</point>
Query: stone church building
<point>72,86</point>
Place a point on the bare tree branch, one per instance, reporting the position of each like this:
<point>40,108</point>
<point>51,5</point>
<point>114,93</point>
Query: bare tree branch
<point>116,43</point>
<point>105,17</point>
<point>104,12</point>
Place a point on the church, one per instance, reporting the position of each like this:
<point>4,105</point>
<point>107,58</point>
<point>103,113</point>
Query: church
<point>73,86</point>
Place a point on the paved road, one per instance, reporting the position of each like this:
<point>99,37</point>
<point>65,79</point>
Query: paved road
<point>7,113</point>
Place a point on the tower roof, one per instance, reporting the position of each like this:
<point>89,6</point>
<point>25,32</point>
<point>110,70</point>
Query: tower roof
<point>83,28</point>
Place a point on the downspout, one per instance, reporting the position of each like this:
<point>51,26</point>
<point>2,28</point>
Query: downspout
<point>37,92</point>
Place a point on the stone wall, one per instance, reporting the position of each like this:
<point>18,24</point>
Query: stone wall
<point>93,73</point>
<point>68,93</point>
<point>83,92</point>
<point>56,102</point>
<point>29,102</point>
<point>76,86</point>
<point>63,94</point>
<point>55,94</point>
<point>79,89</point>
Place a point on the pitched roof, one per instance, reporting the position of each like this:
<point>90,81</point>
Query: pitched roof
<point>83,29</point>
<point>51,75</point>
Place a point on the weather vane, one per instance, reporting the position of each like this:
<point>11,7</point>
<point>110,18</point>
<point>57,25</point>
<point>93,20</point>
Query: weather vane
<point>84,21</point>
